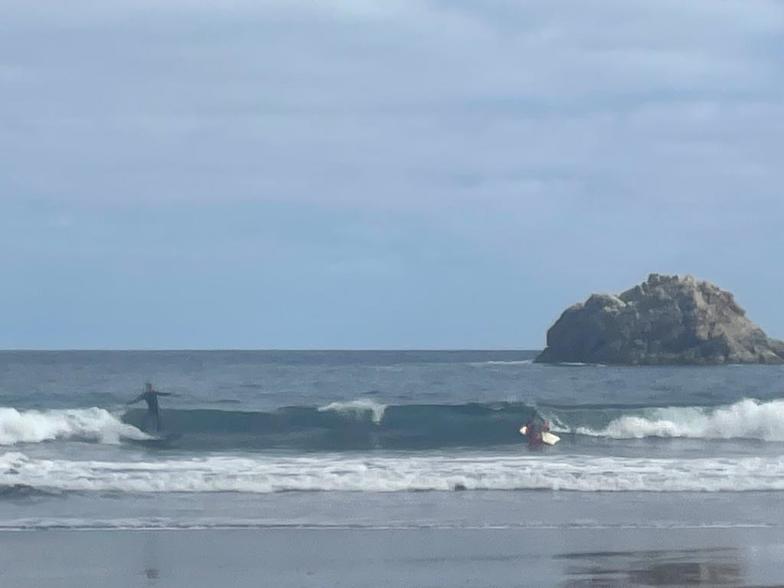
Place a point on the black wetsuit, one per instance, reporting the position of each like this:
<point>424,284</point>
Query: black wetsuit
<point>150,396</point>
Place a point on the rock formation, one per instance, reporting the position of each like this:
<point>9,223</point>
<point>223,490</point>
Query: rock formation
<point>665,320</point>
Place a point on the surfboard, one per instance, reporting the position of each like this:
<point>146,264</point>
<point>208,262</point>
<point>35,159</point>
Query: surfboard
<point>162,440</point>
<point>548,438</point>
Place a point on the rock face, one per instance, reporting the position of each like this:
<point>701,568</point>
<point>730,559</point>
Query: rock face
<point>665,320</point>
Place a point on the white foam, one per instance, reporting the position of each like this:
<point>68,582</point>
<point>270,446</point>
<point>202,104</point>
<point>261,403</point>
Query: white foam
<point>267,474</point>
<point>357,408</point>
<point>91,424</point>
<point>230,523</point>
<point>746,419</point>
<point>579,364</point>
<point>501,362</point>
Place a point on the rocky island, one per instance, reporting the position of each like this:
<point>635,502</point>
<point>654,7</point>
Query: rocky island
<point>665,320</point>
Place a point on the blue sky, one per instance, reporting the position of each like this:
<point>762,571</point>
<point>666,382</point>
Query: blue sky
<point>249,174</point>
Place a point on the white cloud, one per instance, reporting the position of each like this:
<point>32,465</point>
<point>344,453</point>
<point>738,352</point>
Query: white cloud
<point>535,150</point>
<point>393,104</point>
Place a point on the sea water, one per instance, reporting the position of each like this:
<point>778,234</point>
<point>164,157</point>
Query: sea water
<point>369,441</point>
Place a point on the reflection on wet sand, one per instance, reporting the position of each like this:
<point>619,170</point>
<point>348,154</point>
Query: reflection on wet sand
<point>151,571</point>
<point>689,567</point>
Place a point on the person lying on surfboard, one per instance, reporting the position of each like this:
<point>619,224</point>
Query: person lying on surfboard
<point>150,396</point>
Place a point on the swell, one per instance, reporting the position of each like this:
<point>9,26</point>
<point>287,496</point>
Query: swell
<point>361,424</point>
<point>364,424</point>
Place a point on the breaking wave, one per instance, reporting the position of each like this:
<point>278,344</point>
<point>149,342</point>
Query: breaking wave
<point>357,408</point>
<point>746,419</point>
<point>366,424</point>
<point>336,473</point>
<point>347,425</point>
<point>89,424</point>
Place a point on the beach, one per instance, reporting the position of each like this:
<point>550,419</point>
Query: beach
<point>393,539</point>
<point>362,557</point>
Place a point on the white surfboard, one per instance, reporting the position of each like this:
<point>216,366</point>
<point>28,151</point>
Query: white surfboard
<point>158,440</point>
<point>548,438</point>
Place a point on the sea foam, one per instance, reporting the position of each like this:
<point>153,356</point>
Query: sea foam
<point>88,424</point>
<point>357,409</point>
<point>746,419</point>
<point>335,473</point>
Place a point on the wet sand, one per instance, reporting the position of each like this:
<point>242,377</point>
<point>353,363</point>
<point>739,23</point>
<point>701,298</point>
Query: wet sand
<point>288,557</point>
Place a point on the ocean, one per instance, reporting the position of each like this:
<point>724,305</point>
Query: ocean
<point>313,468</point>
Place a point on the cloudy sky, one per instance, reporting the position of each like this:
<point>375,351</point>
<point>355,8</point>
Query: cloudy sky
<point>396,174</point>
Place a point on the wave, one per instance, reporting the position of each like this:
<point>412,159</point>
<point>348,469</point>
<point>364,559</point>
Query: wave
<point>136,523</point>
<point>90,424</point>
<point>23,491</point>
<point>357,408</point>
<point>502,362</point>
<point>578,364</point>
<point>367,424</point>
<point>356,424</point>
<point>746,419</point>
<point>340,473</point>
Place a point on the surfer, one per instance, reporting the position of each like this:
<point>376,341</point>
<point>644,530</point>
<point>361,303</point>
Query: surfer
<point>150,396</point>
<point>535,428</point>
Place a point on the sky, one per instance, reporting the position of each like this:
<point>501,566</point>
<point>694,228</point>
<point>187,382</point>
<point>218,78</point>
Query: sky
<point>397,174</point>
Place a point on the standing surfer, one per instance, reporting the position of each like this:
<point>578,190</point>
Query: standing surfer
<point>150,396</point>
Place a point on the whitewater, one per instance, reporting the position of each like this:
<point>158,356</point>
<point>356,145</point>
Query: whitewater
<point>91,424</point>
<point>215,461</point>
<point>746,419</point>
<point>332,473</point>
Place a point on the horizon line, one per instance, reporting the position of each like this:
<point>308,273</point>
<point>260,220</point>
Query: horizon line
<point>249,349</point>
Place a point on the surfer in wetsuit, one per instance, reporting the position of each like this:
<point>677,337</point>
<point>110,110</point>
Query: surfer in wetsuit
<point>150,396</point>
